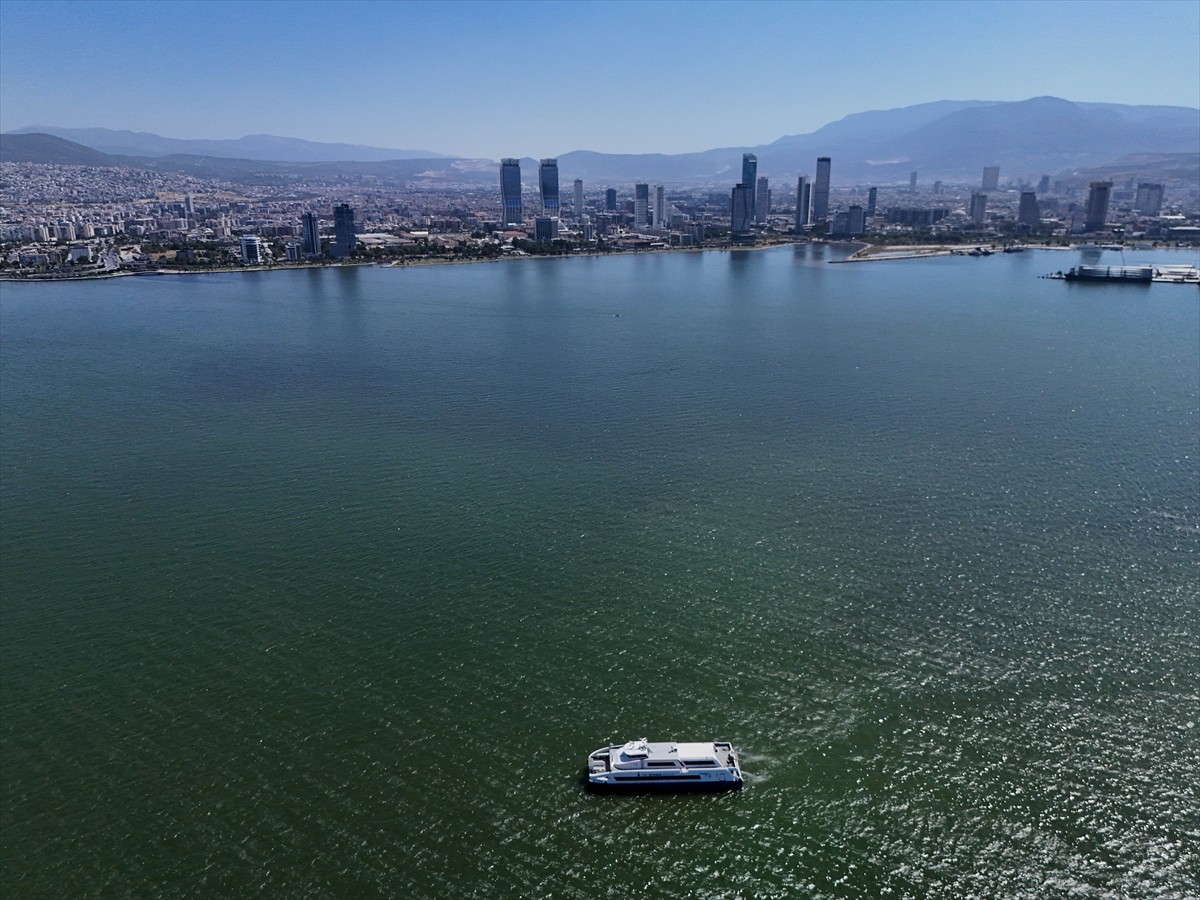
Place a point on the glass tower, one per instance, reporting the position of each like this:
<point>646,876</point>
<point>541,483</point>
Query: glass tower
<point>750,176</point>
<point>510,191</point>
<point>548,185</point>
<point>820,193</point>
<point>1097,205</point>
<point>741,211</point>
<point>310,234</point>
<point>641,205</point>
<point>344,242</point>
<point>803,198</point>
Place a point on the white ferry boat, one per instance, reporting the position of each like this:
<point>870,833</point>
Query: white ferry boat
<point>643,765</point>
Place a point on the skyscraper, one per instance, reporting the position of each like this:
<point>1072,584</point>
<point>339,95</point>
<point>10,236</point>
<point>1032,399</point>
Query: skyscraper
<point>1149,199</point>
<point>762,200</point>
<point>548,187</point>
<point>855,224</point>
<point>1028,213</point>
<point>750,175</point>
<point>912,183</point>
<point>310,235</point>
<point>578,197</point>
<point>991,178</point>
<point>820,194</point>
<point>1044,185</point>
<point>1097,205</point>
<point>660,207</point>
<point>741,211</point>
<point>803,189</point>
<point>872,196</point>
<point>978,208</point>
<point>641,205</point>
<point>610,200</point>
<point>510,191</point>
<point>344,242</point>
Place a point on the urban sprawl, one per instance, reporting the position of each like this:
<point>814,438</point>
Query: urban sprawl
<point>60,221</point>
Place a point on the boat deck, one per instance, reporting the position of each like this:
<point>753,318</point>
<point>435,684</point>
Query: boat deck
<point>718,753</point>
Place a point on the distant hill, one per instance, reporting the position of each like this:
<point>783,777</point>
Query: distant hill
<point>951,140</point>
<point>948,140</point>
<point>266,147</point>
<point>438,172</point>
<point>46,148</point>
<point>1165,168</point>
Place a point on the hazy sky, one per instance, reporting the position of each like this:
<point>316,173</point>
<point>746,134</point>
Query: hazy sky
<point>494,79</point>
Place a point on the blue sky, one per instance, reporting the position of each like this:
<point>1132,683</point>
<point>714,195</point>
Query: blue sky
<point>494,79</point>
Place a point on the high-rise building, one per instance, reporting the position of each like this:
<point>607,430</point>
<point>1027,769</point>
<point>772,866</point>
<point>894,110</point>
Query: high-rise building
<point>741,211</point>
<point>660,207</point>
<point>610,200</point>
<point>749,169</point>
<point>749,173</point>
<point>803,198</point>
<point>820,193</point>
<point>310,234</point>
<point>578,197</point>
<point>1028,213</point>
<point>978,208</point>
<point>548,187</point>
<point>252,249</point>
<point>510,192</point>
<point>912,183</point>
<point>344,241</point>
<point>1149,199</point>
<point>937,188</point>
<point>545,228</point>
<point>855,222</point>
<point>1097,205</point>
<point>991,178</point>
<point>872,198</point>
<point>1044,185</point>
<point>641,205</point>
<point>762,200</point>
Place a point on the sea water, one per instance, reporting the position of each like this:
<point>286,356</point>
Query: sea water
<point>325,582</point>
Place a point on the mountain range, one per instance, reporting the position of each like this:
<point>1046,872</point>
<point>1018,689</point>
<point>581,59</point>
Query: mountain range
<point>263,147</point>
<point>948,139</point>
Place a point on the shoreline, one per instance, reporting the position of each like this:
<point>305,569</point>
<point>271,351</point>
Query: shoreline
<point>864,253</point>
<point>387,264</point>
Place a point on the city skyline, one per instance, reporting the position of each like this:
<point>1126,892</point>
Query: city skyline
<point>50,52</point>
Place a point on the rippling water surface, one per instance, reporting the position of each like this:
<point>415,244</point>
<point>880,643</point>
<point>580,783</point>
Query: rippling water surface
<point>325,582</point>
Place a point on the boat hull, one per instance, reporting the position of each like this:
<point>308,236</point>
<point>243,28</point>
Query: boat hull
<point>657,787</point>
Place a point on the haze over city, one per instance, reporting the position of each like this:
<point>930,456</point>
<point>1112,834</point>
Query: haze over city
<point>497,79</point>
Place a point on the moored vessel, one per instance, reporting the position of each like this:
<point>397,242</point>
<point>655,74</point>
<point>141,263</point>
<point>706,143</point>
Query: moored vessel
<point>1128,274</point>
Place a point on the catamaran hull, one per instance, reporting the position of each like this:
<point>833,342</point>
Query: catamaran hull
<point>661,787</point>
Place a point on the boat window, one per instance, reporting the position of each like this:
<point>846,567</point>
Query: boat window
<point>694,763</point>
<point>661,764</point>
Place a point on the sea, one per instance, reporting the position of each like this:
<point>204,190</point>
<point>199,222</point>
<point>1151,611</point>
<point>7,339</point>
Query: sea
<point>324,583</point>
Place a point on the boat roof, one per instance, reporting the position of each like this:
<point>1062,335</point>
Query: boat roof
<point>669,750</point>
